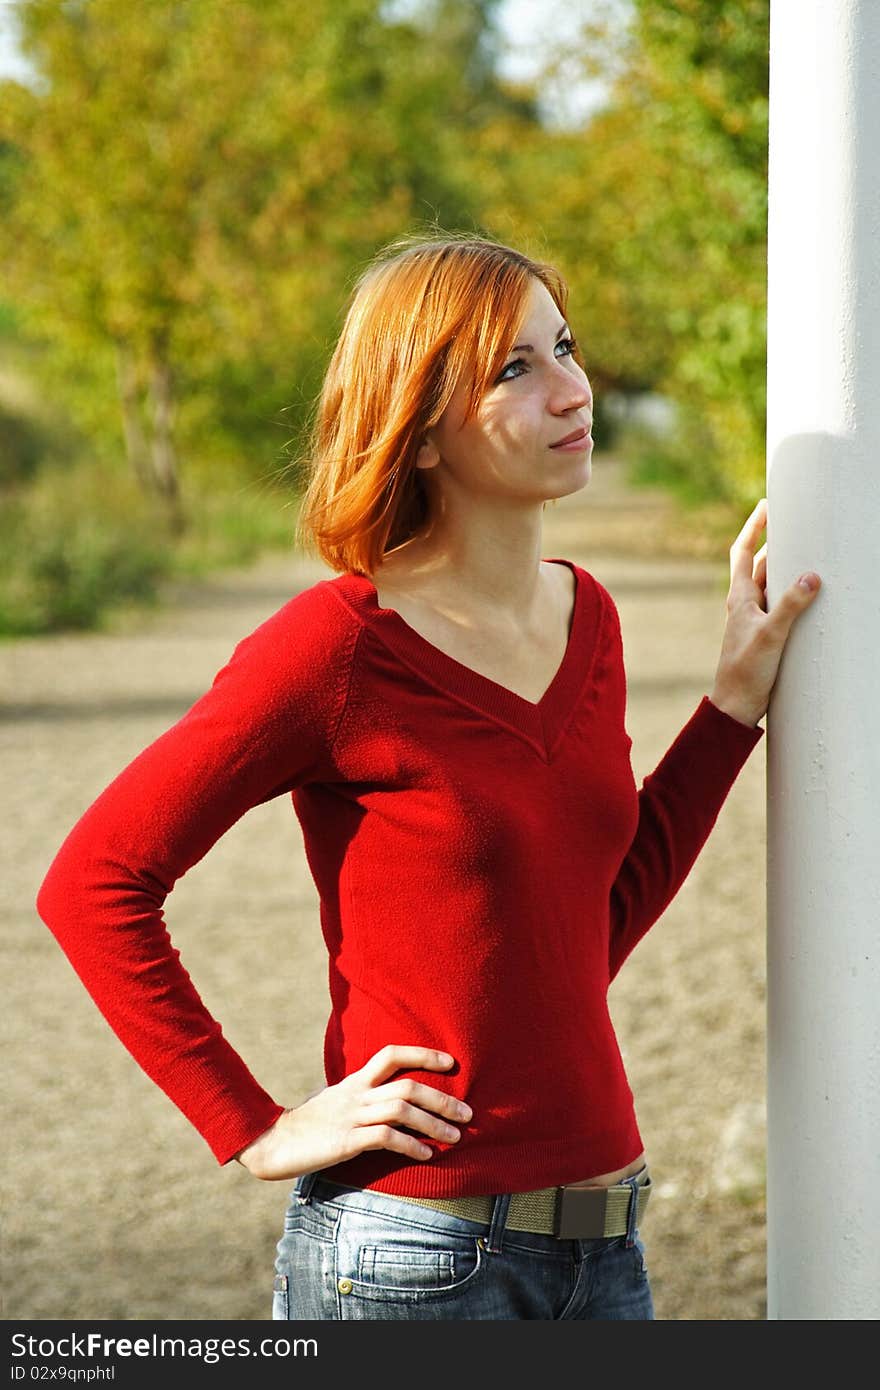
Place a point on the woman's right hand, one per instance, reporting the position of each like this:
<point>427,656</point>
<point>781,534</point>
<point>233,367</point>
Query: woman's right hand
<point>360,1113</point>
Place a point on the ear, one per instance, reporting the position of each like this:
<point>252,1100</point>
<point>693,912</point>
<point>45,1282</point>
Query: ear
<point>428,455</point>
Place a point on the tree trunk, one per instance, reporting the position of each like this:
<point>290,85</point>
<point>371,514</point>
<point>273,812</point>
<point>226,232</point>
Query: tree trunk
<point>164,457</point>
<point>136,450</point>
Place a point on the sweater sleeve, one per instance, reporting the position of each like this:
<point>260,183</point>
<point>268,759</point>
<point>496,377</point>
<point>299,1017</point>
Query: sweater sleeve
<point>678,805</point>
<point>267,724</point>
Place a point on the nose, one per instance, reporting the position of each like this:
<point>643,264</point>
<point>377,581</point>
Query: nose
<point>571,389</point>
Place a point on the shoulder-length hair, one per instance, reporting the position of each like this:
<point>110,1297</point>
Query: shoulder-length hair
<point>424,314</point>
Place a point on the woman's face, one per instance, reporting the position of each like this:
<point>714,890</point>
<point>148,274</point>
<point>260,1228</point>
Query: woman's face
<point>512,445</point>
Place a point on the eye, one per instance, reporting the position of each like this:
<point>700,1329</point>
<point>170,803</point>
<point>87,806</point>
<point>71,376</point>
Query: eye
<point>564,348</point>
<point>511,366</point>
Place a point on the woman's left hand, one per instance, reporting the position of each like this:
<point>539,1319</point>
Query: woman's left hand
<point>754,639</point>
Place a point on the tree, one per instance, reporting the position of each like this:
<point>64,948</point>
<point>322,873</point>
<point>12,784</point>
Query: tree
<point>192,183</point>
<point>694,91</point>
<point>657,210</point>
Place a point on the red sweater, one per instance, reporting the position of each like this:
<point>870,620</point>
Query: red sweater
<point>484,864</point>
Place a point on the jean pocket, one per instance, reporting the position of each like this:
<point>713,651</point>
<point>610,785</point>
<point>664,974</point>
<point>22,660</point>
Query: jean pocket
<point>410,1272</point>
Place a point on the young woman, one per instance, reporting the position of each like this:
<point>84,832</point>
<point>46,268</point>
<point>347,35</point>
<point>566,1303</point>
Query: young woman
<point>448,717</point>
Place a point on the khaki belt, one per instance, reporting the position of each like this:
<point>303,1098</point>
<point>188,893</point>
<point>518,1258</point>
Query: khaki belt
<point>569,1213</point>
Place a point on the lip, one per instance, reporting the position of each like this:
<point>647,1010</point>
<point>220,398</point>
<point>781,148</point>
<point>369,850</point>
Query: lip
<point>577,439</point>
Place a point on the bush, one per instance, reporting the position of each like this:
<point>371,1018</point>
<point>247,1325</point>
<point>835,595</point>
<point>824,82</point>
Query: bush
<point>23,444</point>
<point>230,523</point>
<point>66,572</point>
<point>82,540</point>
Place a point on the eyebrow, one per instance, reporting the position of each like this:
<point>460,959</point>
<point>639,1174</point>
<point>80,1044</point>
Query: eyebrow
<point>527,347</point>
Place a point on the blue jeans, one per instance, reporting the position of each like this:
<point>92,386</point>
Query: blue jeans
<point>350,1253</point>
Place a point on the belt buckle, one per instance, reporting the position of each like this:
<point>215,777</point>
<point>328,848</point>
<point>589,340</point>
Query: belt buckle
<point>580,1213</point>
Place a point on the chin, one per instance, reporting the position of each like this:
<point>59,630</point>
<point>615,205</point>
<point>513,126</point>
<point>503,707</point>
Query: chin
<point>573,484</point>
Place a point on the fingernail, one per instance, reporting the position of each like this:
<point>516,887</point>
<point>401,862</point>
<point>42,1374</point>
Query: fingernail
<point>809,581</point>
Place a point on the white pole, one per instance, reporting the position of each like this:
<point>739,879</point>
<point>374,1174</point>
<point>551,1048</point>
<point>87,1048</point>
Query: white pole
<point>823,725</point>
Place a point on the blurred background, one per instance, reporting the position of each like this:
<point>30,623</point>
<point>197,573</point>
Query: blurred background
<point>187,191</point>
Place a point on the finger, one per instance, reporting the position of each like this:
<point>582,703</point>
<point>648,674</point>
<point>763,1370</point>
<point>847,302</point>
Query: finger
<point>759,573</point>
<point>393,1111</point>
<point>742,552</point>
<point>386,1137</point>
<point>395,1057</point>
<point>792,602</point>
<point>426,1096</point>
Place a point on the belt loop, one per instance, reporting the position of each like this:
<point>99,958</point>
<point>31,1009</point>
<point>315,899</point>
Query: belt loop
<point>632,1220</point>
<point>303,1187</point>
<point>500,1205</point>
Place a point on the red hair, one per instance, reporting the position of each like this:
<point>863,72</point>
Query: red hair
<point>425,314</point>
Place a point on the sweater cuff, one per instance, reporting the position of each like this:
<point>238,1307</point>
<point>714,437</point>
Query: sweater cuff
<point>732,739</point>
<point>722,714</point>
<point>242,1130</point>
<point>222,1099</point>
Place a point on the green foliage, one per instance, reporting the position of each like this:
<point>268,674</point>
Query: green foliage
<point>23,444</point>
<point>232,524</point>
<point>70,550</point>
<point>656,211</point>
<point>197,181</point>
<point>693,97</point>
<point>77,545</point>
<point>188,193</point>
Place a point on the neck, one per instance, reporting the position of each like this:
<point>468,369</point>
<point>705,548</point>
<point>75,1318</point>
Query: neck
<point>492,554</point>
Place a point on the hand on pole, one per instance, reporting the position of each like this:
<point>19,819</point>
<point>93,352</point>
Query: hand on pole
<point>754,638</point>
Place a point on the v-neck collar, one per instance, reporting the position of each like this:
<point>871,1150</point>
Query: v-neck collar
<point>542,722</point>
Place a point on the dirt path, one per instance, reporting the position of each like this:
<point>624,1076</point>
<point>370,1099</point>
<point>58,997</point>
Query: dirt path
<point>113,1205</point>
